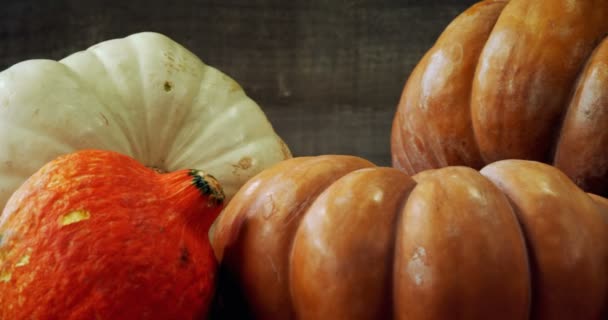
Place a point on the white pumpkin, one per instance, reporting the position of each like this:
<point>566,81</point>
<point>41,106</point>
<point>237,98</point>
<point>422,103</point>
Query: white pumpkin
<point>144,96</point>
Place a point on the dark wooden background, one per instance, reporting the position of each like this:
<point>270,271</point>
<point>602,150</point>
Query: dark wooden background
<point>327,73</point>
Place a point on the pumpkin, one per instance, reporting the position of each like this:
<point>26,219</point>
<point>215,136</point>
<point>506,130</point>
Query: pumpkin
<point>334,237</point>
<point>144,96</point>
<point>512,80</point>
<point>97,235</point>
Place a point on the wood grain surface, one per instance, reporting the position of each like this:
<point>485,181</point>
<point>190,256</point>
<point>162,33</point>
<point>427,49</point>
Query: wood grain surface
<point>327,73</point>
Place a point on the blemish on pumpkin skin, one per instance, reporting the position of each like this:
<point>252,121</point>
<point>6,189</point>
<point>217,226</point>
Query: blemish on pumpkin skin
<point>25,260</point>
<point>105,120</point>
<point>74,217</point>
<point>270,208</point>
<point>176,64</point>
<point>168,86</point>
<point>417,267</point>
<point>184,257</point>
<point>234,86</point>
<point>243,164</point>
<point>275,270</point>
<point>6,276</point>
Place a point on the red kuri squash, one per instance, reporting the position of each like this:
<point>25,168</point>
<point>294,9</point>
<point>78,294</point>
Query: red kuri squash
<point>97,235</point>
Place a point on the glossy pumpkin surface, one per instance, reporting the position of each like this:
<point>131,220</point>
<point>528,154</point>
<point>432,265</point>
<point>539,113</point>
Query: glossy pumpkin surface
<point>97,235</point>
<point>144,96</point>
<point>512,80</point>
<point>334,237</point>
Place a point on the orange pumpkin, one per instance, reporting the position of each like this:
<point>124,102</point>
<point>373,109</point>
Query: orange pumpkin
<point>96,235</point>
<point>512,80</point>
<point>334,237</point>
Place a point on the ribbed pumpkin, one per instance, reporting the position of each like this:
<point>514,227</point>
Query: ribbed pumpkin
<point>144,96</point>
<point>97,235</point>
<point>512,79</point>
<point>334,237</point>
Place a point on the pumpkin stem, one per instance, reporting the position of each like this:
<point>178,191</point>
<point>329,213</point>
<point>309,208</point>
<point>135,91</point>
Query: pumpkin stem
<point>208,186</point>
<point>196,193</point>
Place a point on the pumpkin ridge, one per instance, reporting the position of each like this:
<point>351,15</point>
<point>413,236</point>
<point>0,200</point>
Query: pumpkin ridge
<point>570,99</point>
<point>121,123</point>
<point>93,99</point>
<point>233,100</point>
<point>477,160</point>
<point>285,192</point>
<point>50,136</point>
<point>582,121</point>
<point>177,149</point>
<point>396,230</point>
<point>228,247</point>
<point>301,211</point>
<point>559,269</point>
<point>146,147</point>
<point>534,69</point>
<point>521,96</point>
<point>399,159</point>
<point>433,123</point>
<point>530,256</point>
<point>343,209</point>
<point>109,117</point>
<point>457,238</point>
<point>457,225</point>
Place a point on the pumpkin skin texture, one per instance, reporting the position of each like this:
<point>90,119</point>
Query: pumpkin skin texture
<point>334,237</point>
<point>511,80</point>
<point>602,204</point>
<point>574,231</point>
<point>96,235</point>
<point>290,189</point>
<point>144,96</point>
